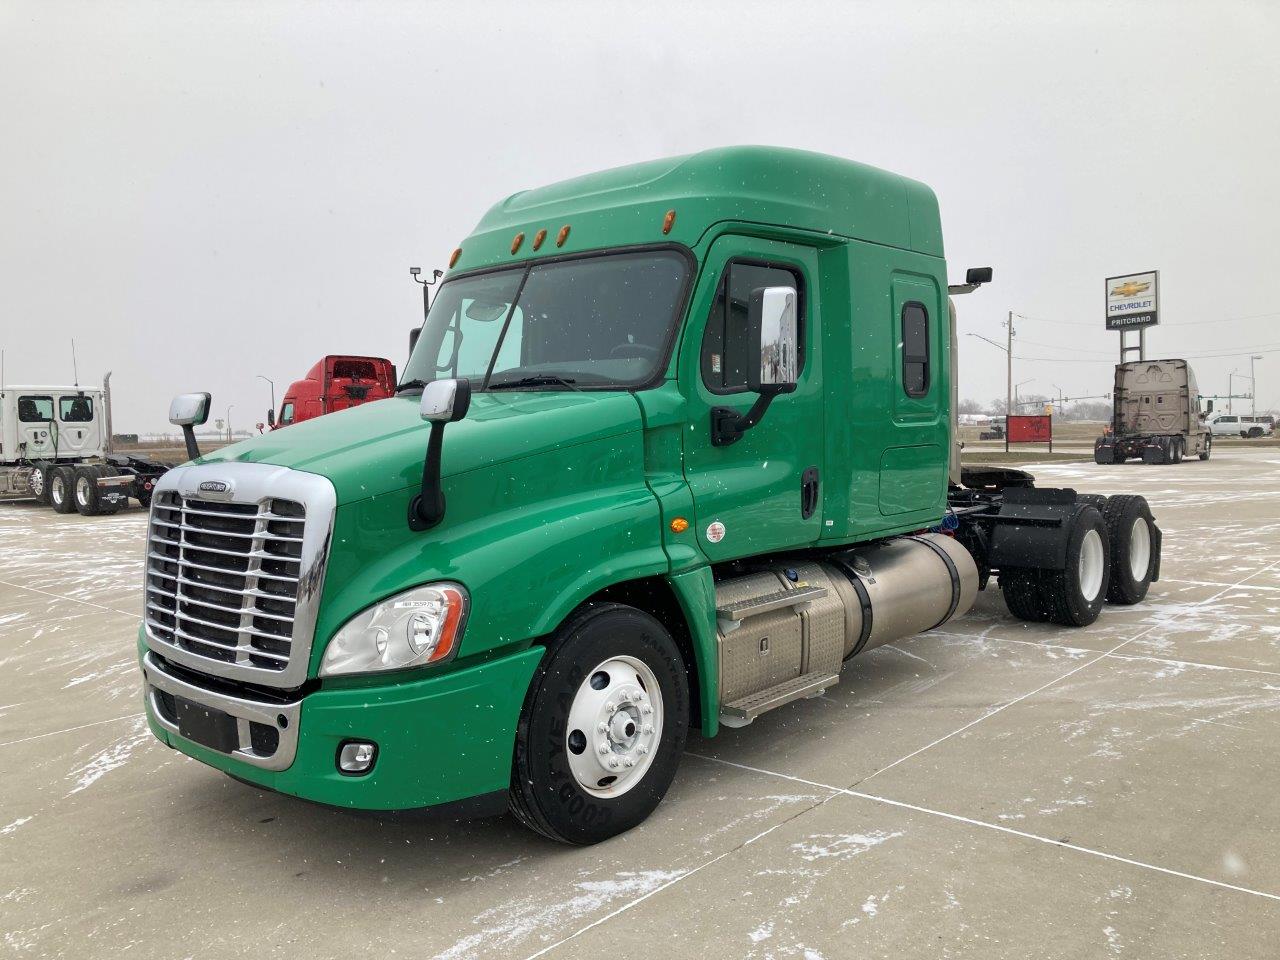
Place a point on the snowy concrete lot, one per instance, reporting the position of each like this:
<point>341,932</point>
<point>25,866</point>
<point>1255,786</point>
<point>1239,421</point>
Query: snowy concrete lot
<point>997,790</point>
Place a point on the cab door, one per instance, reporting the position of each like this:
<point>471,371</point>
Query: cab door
<point>763,492</point>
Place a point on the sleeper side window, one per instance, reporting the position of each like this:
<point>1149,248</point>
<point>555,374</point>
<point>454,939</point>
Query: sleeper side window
<point>915,349</point>
<point>35,409</point>
<point>726,351</point>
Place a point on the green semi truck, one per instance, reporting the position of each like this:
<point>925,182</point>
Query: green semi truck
<point>673,444</point>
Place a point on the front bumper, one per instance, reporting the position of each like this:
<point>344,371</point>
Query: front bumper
<point>440,738</point>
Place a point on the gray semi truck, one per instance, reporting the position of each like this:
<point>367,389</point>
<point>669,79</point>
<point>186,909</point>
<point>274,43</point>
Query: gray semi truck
<point>1157,415</point>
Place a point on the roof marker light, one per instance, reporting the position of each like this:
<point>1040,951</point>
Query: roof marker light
<point>454,259</point>
<point>538,238</point>
<point>562,236</point>
<point>515,244</point>
<point>668,222</point>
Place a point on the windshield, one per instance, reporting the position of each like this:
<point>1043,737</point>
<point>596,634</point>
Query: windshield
<point>602,321</point>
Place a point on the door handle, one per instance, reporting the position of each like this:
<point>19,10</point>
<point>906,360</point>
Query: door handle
<point>808,493</point>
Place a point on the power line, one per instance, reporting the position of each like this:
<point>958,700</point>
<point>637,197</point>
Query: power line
<point>1177,323</point>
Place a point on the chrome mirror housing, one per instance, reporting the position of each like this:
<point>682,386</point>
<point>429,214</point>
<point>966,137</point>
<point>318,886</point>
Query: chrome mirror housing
<point>445,401</point>
<point>189,409</point>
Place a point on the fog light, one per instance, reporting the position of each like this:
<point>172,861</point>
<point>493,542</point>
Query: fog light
<point>356,756</point>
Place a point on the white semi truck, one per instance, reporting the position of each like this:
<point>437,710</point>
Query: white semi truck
<point>55,447</point>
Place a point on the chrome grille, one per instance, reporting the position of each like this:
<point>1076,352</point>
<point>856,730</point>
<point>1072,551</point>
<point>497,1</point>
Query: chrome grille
<point>222,578</point>
<point>235,570</point>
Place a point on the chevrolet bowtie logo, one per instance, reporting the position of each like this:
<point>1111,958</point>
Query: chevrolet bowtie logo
<point>1130,288</point>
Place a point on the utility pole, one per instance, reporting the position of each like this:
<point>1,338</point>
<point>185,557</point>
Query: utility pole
<point>1253,386</point>
<point>1008,351</point>
<point>1230,391</point>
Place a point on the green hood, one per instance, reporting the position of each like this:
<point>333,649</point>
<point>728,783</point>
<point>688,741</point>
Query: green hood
<point>378,447</point>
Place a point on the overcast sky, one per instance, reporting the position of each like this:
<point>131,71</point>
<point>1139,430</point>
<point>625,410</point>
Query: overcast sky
<point>200,193</point>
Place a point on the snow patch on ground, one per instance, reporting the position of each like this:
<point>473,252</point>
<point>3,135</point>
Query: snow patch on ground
<point>515,922</point>
<point>116,755</point>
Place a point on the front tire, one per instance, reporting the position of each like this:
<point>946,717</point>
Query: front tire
<point>61,489</point>
<point>1208,446</point>
<point>39,483</point>
<point>603,726</point>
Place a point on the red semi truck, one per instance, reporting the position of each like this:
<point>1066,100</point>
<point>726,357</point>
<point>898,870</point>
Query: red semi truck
<point>335,383</point>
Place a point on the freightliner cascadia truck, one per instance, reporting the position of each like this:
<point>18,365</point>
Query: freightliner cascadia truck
<point>674,444</point>
<point>1157,416</point>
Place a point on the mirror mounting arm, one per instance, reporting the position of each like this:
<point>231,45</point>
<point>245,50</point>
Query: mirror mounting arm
<point>426,509</point>
<point>728,425</point>
<point>189,435</point>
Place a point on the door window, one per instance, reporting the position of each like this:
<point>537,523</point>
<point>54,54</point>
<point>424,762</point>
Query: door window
<point>75,409</point>
<point>35,409</point>
<point>915,349</point>
<point>286,414</point>
<point>726,351</point>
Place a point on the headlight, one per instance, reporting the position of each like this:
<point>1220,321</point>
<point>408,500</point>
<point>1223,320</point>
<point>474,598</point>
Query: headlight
<point>412,629</point>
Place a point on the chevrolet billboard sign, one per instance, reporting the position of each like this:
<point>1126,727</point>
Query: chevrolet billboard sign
<point>1131,300</point>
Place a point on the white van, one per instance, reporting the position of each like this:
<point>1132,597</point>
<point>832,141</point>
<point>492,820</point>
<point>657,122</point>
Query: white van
<point>1238,425</point>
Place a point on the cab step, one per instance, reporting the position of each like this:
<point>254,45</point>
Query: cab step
<point>741,712</point>
<point>732,614</point>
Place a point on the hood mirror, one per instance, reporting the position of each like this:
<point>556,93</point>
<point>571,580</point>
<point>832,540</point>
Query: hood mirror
<point>443,402</point>
<point>188,411</point>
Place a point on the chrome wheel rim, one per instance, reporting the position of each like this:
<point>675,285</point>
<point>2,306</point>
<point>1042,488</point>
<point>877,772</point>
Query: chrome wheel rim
<point>58,491</point>
<point>82,491</point>
<point>615,726</point>
<point>1139,549</point>
<point>1091,565</point>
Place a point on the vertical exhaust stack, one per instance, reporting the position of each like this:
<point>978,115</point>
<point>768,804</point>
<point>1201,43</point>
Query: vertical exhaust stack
<point>108,428</point>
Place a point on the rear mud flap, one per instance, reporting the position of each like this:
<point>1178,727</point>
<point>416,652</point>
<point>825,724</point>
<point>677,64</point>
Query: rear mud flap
<point>1032,528</point>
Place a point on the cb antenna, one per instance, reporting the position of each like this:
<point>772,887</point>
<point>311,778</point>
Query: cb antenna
<point>75,372</point>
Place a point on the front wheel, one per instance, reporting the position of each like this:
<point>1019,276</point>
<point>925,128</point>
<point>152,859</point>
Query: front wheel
<point>603,726</point>
<point>1208,446</point>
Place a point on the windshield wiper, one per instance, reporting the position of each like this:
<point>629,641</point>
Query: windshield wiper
<point>539,380</point>
<point>410,385</point>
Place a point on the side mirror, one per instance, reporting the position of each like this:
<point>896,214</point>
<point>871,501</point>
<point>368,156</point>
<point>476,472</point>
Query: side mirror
<point>773,332</point>
<point>443,402</point>
<point>413,338</point>
<point>271,418</point>
<point>188,411</point>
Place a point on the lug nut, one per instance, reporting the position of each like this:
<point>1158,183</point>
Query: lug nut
<point>603,727</point>
<point>642,749</point>
<point>647,728</point>
<point>614,763</point>
<point>630,762</point>
<point>604,748</point>
<point>646,709</point>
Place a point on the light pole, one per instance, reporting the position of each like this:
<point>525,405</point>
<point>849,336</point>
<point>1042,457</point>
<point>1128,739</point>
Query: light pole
<point>1230,391</point>
<point>273,392</point>
<point>1059,389</point>
<point>1021,384</point>
<point>229,406</point>
<point>1253,386</point>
